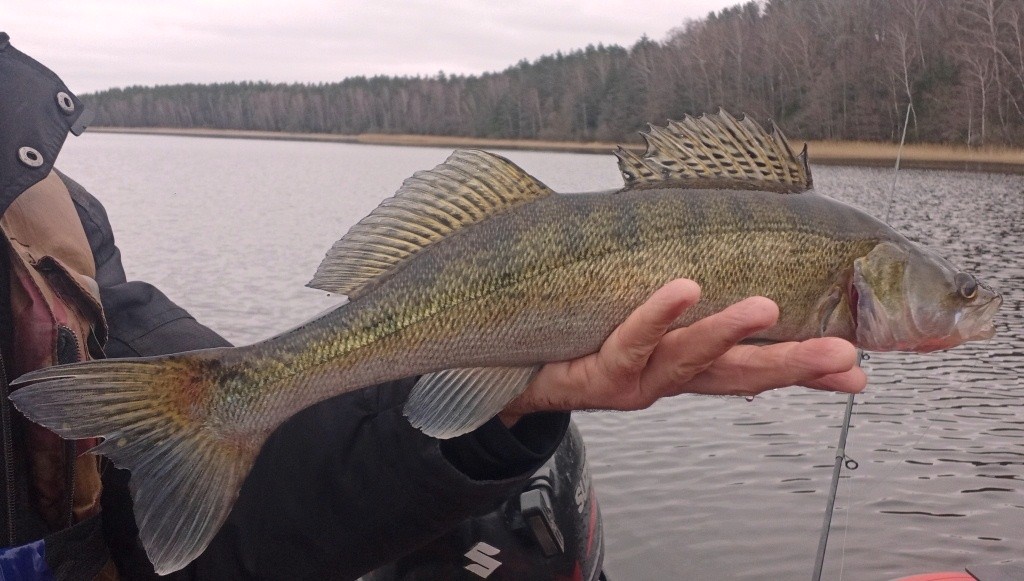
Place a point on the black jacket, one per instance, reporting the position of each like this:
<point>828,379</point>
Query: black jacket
<point>342,487</point>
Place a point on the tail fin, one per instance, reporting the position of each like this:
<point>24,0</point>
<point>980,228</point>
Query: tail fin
<point>185,476</point>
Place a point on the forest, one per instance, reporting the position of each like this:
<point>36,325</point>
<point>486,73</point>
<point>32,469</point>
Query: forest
<point>822,69</point>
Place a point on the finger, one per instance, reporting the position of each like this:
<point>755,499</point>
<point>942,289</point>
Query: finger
<point>749,370</point>
<point>571,384</point>
<point>852,381</point>
<point>630,346</point>
<point>686,352</point>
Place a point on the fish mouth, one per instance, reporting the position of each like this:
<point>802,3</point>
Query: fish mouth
<point>978,324</point>
<point>980,321</point>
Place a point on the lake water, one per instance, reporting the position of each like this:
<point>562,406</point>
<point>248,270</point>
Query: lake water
<point>695,487</point>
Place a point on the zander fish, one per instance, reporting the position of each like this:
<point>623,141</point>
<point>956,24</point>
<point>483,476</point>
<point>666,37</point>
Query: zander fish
<point>475,273</point>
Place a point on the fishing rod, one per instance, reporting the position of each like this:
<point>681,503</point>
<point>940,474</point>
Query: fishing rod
<point>819,562</point>
<point>841,457</point>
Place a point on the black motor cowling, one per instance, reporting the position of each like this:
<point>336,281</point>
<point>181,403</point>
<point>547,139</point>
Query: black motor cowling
<point>550,530</point>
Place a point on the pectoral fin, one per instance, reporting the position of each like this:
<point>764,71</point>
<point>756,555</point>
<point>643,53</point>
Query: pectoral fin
<point>827,309</point>
<point>453,402</point>
<point>835,317</point>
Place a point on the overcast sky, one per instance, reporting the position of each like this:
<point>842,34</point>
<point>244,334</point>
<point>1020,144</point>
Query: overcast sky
<point>97,44</point>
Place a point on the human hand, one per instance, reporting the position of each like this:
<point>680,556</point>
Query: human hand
<point>641,362</point>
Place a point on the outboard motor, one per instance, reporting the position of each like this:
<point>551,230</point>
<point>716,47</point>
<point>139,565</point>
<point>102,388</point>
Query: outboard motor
<point>551,530</point>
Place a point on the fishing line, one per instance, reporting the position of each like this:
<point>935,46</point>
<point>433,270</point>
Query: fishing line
<point>896,170</point>
<point>841,448</point>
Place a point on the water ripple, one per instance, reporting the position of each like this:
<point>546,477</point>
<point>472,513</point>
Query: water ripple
<point>706,488</point>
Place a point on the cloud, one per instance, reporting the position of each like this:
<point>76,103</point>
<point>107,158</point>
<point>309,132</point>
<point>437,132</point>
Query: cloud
<point>106,43</point>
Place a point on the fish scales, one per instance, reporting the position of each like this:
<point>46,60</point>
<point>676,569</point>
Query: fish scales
<point>475,273</point>
<point>549,281</point>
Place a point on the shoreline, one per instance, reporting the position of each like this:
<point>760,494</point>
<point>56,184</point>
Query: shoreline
<point>856,153</point>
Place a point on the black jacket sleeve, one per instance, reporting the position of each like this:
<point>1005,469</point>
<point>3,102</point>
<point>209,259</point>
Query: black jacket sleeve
<point>347,486</point>
<point>342,487</point>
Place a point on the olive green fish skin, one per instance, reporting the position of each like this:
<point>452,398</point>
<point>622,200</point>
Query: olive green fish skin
<point>550,280</point>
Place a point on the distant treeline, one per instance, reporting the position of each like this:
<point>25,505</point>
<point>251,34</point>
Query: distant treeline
<point>823,69</point>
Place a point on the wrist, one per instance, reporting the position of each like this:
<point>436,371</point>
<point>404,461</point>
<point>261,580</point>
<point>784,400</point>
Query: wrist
<point>509,418</point>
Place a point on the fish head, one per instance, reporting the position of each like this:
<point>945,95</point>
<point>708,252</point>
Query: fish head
<point>907,298</point>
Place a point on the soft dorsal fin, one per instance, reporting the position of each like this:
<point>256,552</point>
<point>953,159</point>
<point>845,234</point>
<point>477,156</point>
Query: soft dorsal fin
<point>467,188</point>
<point>716,151</point>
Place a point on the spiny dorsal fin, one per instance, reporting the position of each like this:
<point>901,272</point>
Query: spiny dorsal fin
<point>467,188</point>
<point>716,151</point>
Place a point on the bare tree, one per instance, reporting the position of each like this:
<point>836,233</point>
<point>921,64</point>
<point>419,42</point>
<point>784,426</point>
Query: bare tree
<point>899,36</point>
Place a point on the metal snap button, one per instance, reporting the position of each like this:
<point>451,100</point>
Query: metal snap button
<point>30,157</point>
<point>67,104</point>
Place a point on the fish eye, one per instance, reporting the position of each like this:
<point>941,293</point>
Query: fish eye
<point>966,285</point>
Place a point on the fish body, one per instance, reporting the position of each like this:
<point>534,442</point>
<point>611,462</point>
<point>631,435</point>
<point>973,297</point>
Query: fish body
<point>549,281</point>
<point>475,274</point>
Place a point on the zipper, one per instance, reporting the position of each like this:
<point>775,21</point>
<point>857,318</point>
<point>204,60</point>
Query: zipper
<point>68,351</point>
<point>8,436</point>
<point>6,419</point>
<point>70,455</point>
